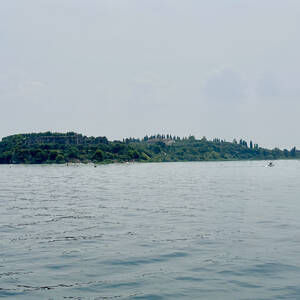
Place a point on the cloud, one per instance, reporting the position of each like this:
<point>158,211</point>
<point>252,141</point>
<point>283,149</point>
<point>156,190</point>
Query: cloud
<point>147,88</point>
<point>225,84</point>
<point>19,84</point>
<point>30,88</point>
<point>9,83</point>
<point>269,86</point>
<point>283,87</point>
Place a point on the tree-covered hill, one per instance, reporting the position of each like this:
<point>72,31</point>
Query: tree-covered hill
<point>48,147</point>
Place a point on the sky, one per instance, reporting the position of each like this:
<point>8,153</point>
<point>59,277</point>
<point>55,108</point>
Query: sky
<point>127,68</point>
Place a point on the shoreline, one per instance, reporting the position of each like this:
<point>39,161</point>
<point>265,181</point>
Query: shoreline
<point>145,162</point>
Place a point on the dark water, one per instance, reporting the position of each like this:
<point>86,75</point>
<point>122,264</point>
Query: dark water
<point>215,230</point>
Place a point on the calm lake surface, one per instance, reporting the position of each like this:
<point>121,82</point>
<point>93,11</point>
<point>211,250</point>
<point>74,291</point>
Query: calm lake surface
<point>207,230</point>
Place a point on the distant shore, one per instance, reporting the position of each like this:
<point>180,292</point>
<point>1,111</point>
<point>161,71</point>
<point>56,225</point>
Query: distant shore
<point>62,148</point>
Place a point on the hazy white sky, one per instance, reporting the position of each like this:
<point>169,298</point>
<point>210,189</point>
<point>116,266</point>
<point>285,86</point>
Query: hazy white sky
<point>120,68</point>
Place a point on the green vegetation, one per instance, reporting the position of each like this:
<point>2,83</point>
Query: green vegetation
<point>39,148</point>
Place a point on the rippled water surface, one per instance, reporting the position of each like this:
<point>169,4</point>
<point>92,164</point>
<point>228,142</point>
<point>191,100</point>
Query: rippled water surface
<point>209,230</point>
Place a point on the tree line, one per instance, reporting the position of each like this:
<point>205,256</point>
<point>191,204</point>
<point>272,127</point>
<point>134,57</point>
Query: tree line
<point>48,147</point>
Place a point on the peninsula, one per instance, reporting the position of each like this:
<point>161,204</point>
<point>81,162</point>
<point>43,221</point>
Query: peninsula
<point>48,147</point>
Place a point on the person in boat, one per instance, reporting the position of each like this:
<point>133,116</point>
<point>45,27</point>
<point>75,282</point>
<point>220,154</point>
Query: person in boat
<point>270,164</point>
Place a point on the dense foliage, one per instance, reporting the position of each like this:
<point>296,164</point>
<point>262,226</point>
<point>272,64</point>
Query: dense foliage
<point>37,148</point>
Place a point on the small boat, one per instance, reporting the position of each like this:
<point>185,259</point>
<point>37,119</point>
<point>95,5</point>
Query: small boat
<point>270,164</point>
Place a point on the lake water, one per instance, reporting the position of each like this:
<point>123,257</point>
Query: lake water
<point>201,230</point>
